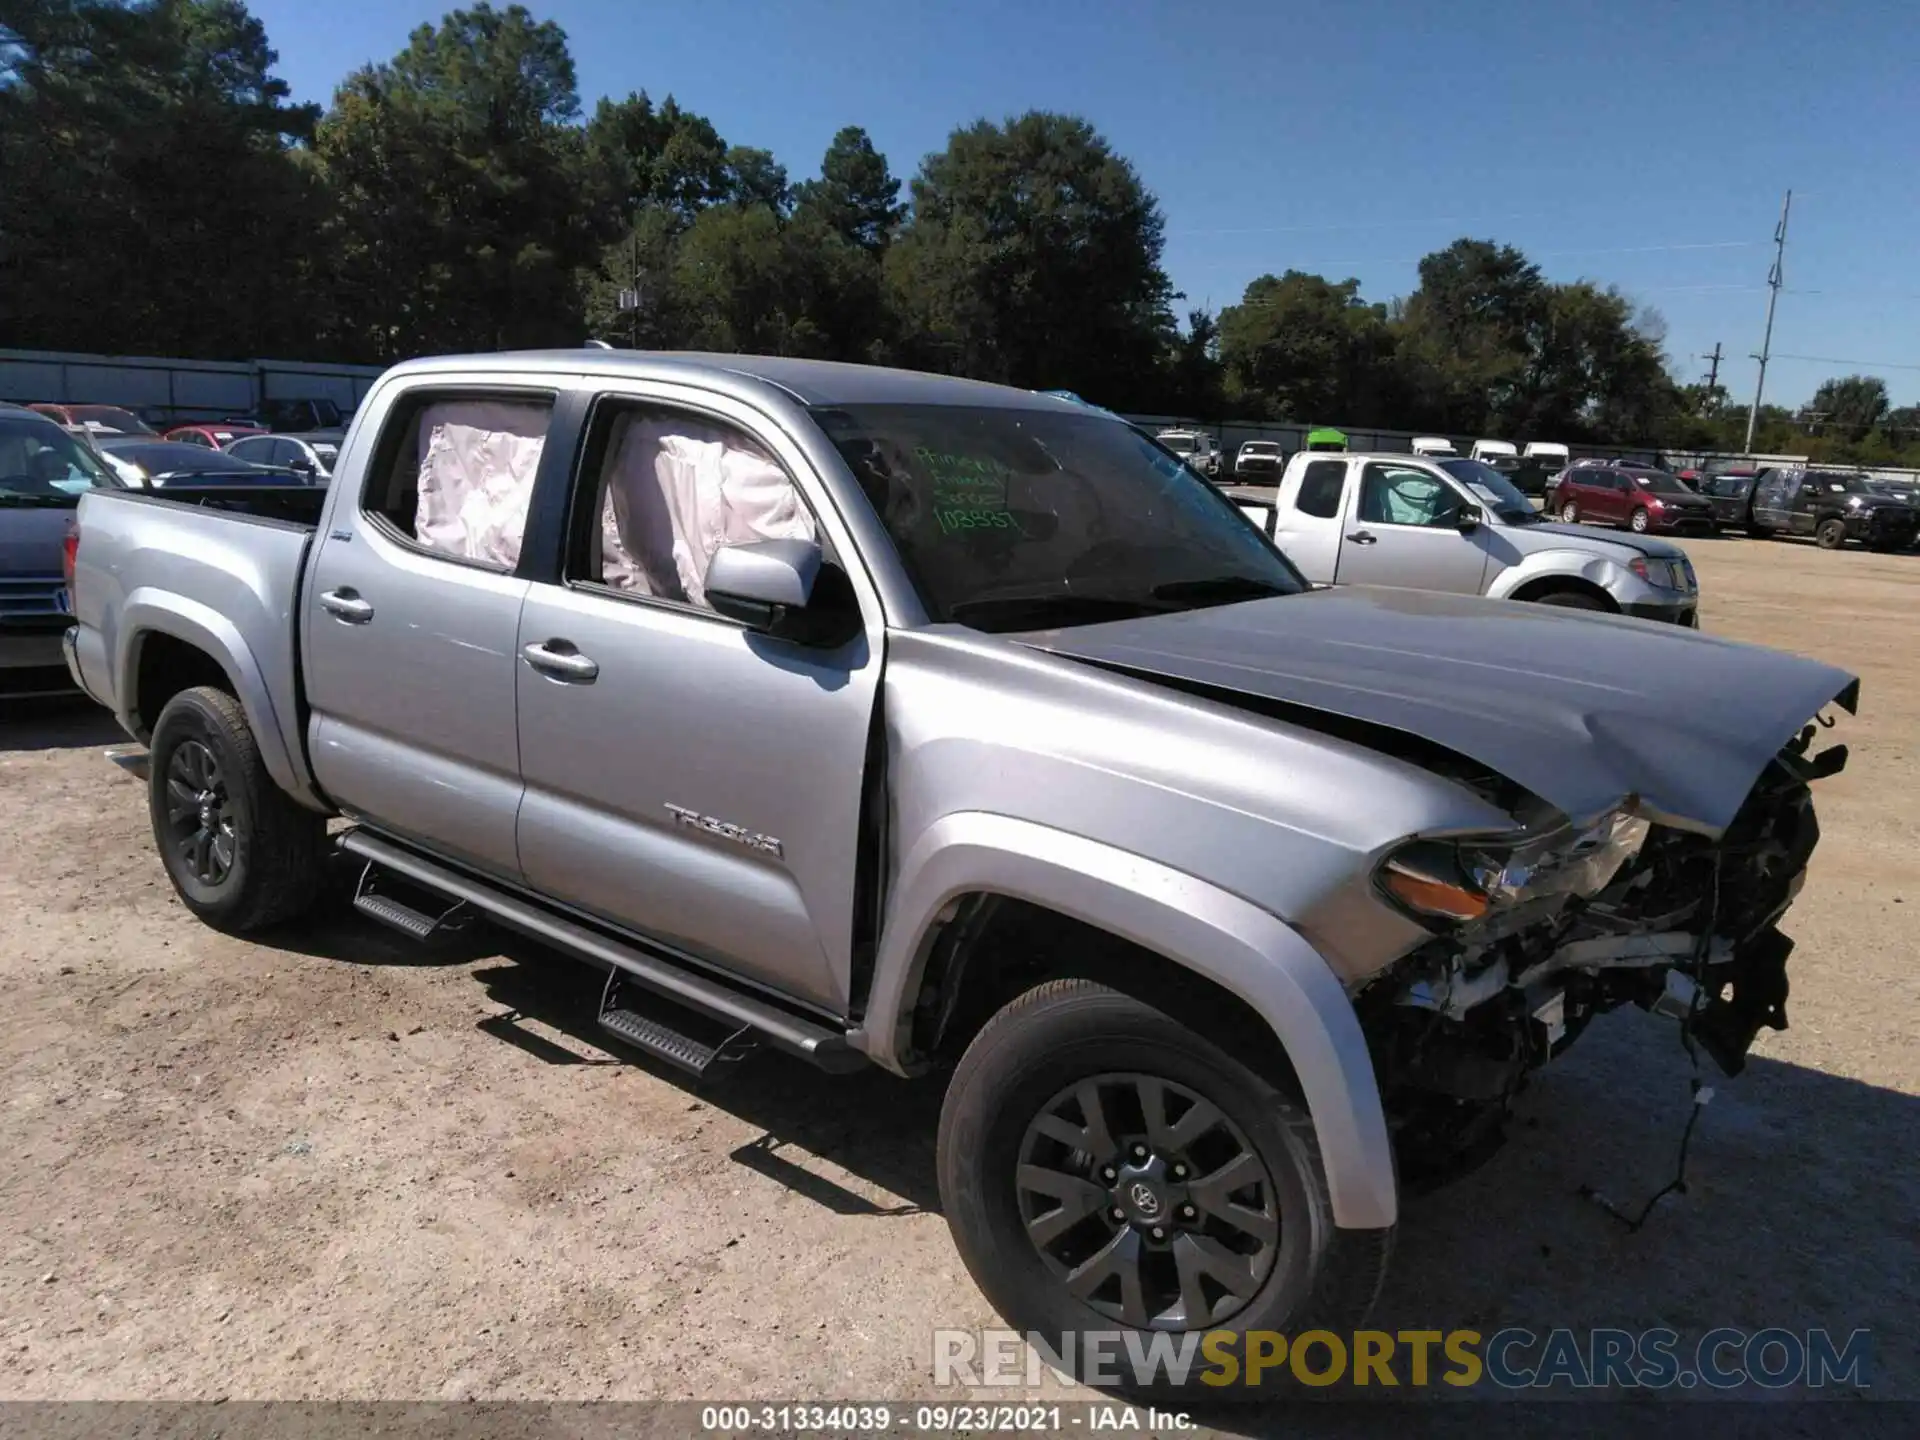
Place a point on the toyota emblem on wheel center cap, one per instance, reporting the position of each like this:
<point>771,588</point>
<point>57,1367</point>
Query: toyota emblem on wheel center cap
<point>1145,1199</point>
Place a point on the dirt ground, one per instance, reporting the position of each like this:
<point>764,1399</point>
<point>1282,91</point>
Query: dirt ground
<point>336,1168</point>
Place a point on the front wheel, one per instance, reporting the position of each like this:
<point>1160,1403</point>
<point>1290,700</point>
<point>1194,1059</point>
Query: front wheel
<point>1572,600</point>
<point>1105,1169</point>
<point>239,851</point>
<point>1831,535</point>
<point>1638,522</point>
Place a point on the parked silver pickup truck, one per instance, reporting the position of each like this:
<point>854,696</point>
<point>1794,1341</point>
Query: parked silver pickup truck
<point>889,719</point>
<point>1447,523</point>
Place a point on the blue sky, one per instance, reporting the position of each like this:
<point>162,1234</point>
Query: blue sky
<point>1638,143</point>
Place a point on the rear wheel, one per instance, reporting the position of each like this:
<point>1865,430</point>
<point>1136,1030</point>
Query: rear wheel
<point>240,853</point>
<point>1831,534</point>
<point>1569,513</point>
<point>1105,1169</point>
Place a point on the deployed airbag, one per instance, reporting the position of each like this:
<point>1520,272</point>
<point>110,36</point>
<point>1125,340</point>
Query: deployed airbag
<point>477,464</point>
<point>678,490</point>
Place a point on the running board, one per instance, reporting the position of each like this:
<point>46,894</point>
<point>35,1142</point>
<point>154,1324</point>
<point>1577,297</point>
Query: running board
<point>686,1039</point>
<point>741,1015</point>
<point>378,902</point>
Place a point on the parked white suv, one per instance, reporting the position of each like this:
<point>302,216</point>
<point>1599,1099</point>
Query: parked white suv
<point>1196,447</point>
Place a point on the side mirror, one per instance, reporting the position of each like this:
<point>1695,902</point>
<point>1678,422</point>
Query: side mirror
<point>784,588</point>
<point>1468,520</point>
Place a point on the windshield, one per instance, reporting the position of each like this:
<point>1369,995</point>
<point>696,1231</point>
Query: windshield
<point>1495,489</point>
<point>1179,444</point>
<point>1659,482</point>
<point>109,419</point>
<point>41,464</point>
<point>1012,519</point>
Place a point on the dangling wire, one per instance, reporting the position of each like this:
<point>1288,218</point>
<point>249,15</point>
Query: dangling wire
<point>1698,1094</point>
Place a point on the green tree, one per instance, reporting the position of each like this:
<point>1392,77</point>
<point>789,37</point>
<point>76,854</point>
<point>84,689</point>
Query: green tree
<point>754,177</point>
<point>1195,374</point>
<point>1469,331</point>
<point>640,155</point>
<point>1032,257</point>
<point>125,132</point>
<point>856,195</point>
<point>1848,408</point>
<point>457,170</point>
<point>742,280</point>
<point>1301,347</point>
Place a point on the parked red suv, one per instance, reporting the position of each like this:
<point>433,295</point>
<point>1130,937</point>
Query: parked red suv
<point>1636,496</point>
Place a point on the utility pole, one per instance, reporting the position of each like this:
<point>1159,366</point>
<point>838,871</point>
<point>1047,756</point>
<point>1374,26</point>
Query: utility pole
<point>1713,374</point>
<point>1774,278</point>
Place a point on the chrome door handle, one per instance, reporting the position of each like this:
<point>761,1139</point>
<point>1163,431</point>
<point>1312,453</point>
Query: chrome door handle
<point>567,664</point>
<point>1363,537</point>
<point>345,604</point>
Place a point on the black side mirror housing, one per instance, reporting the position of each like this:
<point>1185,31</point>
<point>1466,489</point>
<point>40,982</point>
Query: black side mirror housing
<point>1468,520</point>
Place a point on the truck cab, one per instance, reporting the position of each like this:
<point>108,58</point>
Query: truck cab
<point>1454,524</point>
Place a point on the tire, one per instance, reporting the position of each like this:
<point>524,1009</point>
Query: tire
<point>1572,600</point>
<point>204,753</point>
<point>1830,534</point>
<point>1638,521</point>
<point>1072,1037</point>
<point>1569,514</point>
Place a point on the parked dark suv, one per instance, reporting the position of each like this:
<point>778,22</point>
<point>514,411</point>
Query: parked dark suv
<point>1833,506</point>
<point>1636,496</point>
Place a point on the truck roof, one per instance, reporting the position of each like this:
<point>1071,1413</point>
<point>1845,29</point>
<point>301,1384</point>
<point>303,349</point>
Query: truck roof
<point>811,382</point>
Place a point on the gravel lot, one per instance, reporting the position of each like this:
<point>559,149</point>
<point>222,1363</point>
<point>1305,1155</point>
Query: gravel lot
<point>335,1168</point>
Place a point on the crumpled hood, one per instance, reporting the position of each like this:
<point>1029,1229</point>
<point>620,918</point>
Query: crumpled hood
<point>1582,709</point>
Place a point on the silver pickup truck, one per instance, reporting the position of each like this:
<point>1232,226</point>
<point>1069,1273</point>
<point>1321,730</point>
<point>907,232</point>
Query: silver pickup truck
<point>888,719</point>
<point>1447,523</point>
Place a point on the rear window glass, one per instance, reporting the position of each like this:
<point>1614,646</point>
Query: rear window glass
<point>1320,489</point>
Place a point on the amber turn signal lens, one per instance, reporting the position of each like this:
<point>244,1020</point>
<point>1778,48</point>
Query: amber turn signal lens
<point>1429,895</point>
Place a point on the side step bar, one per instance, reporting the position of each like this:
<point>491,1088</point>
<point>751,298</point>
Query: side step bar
<point>741,1018</point>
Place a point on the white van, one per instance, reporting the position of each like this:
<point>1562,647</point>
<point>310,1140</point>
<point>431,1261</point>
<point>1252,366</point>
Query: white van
<point>1486,451</point>
<point>1551,455</point>
<point>1433,445</point>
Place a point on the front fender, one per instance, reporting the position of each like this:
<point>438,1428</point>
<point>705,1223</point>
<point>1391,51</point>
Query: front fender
<point>148,612</point>
<point>1220,936</point>
<point>1608,574</point>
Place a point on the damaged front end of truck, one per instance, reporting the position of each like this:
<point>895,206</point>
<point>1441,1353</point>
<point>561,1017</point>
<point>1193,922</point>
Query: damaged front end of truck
<point>1538,932</point>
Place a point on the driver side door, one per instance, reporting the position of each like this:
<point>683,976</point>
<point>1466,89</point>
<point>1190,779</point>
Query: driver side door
<point>1403,528</point>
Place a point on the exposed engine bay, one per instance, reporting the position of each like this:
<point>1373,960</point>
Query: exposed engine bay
<point>1532,942</point>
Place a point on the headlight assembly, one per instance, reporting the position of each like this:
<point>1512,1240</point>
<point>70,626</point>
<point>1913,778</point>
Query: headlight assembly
<point>1467,879</point>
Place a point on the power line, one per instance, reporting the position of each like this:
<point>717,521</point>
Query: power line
<point>1415,259</point>
<point>1863,364</point>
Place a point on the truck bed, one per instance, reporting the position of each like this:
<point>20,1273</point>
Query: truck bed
<point>216,566</point>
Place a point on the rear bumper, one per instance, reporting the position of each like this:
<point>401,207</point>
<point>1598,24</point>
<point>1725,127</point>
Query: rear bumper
<point>33,662</point>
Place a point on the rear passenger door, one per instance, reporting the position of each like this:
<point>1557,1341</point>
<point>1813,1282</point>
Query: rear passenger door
<point>686,778</point>
<point>1307,529</point>
<point>411,619</point>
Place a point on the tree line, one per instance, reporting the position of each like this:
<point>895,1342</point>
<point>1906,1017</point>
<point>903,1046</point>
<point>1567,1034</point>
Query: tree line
<point>164,195</point>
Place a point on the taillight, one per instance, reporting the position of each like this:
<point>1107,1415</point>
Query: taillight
<point>70,555</point>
